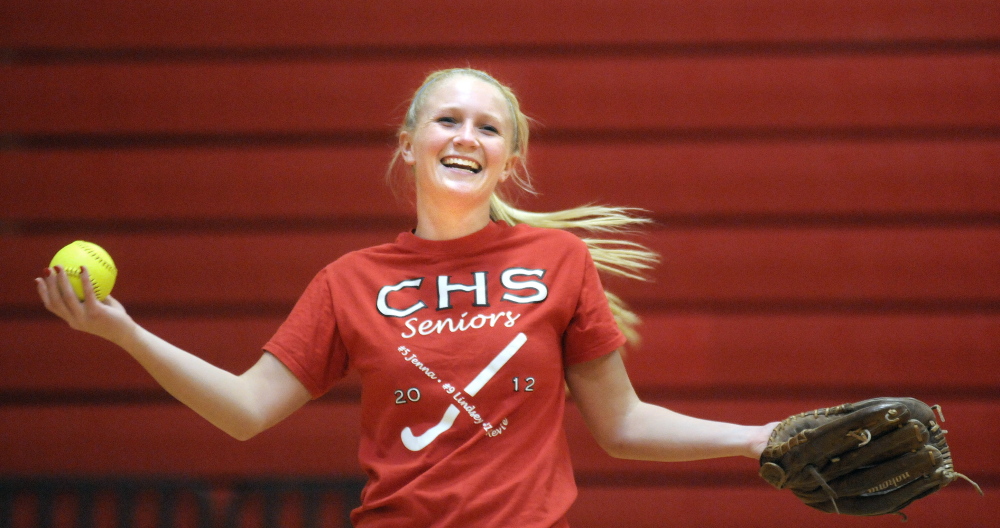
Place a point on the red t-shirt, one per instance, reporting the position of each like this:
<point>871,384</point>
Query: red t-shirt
<point>461,347</point>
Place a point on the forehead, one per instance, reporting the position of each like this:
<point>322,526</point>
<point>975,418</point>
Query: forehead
<point>463,92</point>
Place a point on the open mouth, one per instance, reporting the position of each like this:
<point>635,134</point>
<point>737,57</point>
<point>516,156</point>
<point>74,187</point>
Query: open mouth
<point>467,165</point>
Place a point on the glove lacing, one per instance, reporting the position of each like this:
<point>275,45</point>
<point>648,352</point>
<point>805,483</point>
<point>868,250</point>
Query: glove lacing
<point>861,435</point>
<point>949,467</point>
<point>826,487</point>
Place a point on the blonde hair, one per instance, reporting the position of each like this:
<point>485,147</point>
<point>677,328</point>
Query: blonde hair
<point>604,225</point>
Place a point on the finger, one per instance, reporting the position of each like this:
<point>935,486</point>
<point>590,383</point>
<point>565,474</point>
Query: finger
<point>89,297</point>
<point>66,293</point>
<point>48,288</point>
<point>43,288</point>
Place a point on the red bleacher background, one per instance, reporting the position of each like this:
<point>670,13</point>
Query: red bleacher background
<point>824,176</point>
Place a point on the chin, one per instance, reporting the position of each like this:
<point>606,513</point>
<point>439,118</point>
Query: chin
<point>472,184</point>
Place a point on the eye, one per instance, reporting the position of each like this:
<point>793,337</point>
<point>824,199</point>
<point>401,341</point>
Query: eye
<point>449,120</point>
<point>491,129</point>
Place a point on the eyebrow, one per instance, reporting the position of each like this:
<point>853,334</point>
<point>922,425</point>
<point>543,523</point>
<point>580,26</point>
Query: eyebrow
<point>490,115</point>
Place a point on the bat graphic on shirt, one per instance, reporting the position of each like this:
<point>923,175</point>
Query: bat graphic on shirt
<point>416,443</point>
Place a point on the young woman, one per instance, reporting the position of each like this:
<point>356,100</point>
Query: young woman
<point>465,331</point>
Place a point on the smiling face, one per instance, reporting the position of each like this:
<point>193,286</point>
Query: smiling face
<point>460,146</point>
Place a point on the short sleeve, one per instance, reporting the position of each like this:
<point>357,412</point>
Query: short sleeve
<point>308,342</point>
<point>592,332</point>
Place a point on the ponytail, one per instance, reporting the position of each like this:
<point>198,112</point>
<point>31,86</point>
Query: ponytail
<point>611,255</point>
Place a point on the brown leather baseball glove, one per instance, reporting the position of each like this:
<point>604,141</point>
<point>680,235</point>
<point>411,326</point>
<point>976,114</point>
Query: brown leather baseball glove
<point>872,457</point>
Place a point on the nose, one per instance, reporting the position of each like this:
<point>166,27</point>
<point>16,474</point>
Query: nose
<point>466,134</point>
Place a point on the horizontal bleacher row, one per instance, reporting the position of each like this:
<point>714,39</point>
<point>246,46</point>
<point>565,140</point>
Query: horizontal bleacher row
<point>694,182</point>
<point>892,267</point>
<point>873,95</point>
<point>322,438</point>
<point>189,24</point>
<point>944,354</point>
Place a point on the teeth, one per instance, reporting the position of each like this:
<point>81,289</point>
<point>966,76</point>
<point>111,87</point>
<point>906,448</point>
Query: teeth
<point>460,163</point>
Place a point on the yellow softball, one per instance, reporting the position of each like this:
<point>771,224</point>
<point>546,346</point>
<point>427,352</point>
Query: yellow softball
<point>99,264</point>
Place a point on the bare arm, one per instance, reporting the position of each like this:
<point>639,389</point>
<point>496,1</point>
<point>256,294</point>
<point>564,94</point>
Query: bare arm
<point>629,428</point>
<point>242,406</point>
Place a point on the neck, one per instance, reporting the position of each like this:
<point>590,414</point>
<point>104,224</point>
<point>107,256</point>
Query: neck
<point>438,223</point>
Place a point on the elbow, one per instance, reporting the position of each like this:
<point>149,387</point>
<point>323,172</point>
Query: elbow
<point>244,430</point>
<point>619,453</point>
<point>625,441</point>
<point>616,447</point>
<point>242,435</point>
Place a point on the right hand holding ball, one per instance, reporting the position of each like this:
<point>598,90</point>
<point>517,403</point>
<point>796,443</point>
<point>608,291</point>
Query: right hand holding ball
<point>84,272</point>
<point>101,268</point>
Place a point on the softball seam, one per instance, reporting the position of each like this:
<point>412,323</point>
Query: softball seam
<point>97,257</point>
<point>75,273</point>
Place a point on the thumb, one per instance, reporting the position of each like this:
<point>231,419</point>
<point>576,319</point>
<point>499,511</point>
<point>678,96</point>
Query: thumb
<point>112,302</point>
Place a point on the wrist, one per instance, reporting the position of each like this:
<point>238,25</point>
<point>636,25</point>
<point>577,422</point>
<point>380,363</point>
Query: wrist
<point>759,437</point>
<point>127,335</point>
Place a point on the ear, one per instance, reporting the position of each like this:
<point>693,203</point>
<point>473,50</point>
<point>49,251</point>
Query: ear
<point>406,148</point>
<point>508,168</point>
